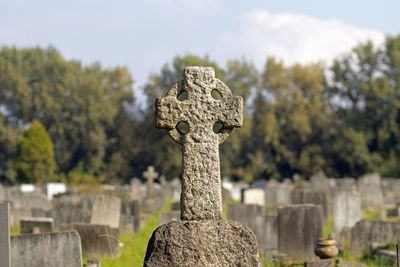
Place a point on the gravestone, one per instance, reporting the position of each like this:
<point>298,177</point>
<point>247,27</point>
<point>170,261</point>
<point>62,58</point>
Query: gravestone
<point>55,189</point>
<point>36,225</point>
<point>237,190</point>
<point>106,210</point>
<point>46,250</point>
<point>305,196</point>
<point>5,235</point>
<point>150,174</point>
<point>135,186</point>
<point>366,234</point>
<point>319,182</point>
<point>131,210</point>
<point>370,188</point>
<point>22,205</point>
<point>346,184</point>
<point>254,196</point>
<point>97,240</point>
<point>199,113</point>
<point>169,216</point>
<point>346,211</point>
<point>299,227</point>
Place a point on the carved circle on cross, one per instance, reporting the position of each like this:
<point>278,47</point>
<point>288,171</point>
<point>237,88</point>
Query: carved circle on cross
<point>217,91</point>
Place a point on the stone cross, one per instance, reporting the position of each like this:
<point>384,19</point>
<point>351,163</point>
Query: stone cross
<point>199,113</point>
<point>150,175</point>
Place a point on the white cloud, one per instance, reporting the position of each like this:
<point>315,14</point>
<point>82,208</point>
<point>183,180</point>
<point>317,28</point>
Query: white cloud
<point>293,38</point>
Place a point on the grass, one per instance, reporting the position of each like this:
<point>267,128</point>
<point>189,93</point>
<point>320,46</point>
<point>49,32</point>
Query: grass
<point>369,261</point>
<point>135,246</point>
<point>373,215</point>
<point>15,229</point>
<point>329,227</point>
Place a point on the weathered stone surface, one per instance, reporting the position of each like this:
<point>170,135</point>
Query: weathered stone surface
<point>166,217</point>
<point>366,234</point>
<point>346,211</point>
<point>370,187</point>
<point>332,263</point>
<point>106,210</point>
<point>46,250</point>
<point>5,234</point>
<point>206,243</point>
<point>28,225</point>
<point>197,109</point>
<point>305,196</point>
<point>97,240</point>
<point>299,227</point>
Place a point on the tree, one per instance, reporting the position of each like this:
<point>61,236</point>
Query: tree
<point>35,161</point>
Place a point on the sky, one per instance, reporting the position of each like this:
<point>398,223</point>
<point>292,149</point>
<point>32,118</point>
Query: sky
<point>145,35</point>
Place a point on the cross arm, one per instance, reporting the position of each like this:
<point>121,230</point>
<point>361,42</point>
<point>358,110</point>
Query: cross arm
<point>169,112</point>
<point>231,111</point>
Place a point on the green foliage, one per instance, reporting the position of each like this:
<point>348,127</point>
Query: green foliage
<point>296,120</point>
<point>35,161</point>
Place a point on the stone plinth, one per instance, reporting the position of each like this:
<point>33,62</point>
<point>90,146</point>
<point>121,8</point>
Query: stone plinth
<point>207,243</point>
<point>46,250</point>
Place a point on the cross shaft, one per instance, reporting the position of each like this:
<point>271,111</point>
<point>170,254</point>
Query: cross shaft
<point>201,182</point>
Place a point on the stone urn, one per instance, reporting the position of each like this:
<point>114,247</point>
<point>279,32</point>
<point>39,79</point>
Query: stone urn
<point>326,248</point>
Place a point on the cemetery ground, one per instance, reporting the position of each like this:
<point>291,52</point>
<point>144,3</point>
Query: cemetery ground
<point>135,245</point>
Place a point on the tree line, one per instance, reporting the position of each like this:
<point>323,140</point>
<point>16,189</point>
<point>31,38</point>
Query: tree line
<point>61,120</point>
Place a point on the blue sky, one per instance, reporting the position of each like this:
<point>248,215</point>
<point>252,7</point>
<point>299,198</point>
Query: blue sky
<point>144,35</point>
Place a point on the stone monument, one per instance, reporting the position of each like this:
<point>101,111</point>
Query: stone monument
<point>150,174</point>
<point>199,112</point>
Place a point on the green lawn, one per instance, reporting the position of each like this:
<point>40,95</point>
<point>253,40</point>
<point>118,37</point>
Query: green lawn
<point>134,249</point>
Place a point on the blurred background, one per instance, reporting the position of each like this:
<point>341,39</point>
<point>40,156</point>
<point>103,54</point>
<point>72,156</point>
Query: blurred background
<point>78,79</point>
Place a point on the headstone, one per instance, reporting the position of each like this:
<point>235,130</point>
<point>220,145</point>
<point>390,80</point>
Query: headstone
<point>150,174</point>
<point>319,182</point>
<point>106,210</point>
<point>365,234</point>
<point>305,196</point>
<point>244,213</point>
<point>135,186</point>
<point>5,234</point>
<point>28,225</point>
<point>346,184</point>
<point>370,187</point>
<point>163,180</point>
<point>391,190</point>
<point>55,189</point>
<point>132,210</point>
<point>27,188</point>
<point>46,250</point>
<point>169,216</point>
<point>97,240</point>
<point>299,226</point>
<point>237,188</point>
<point>254,196</point>
<point>21,206</point>
<point>332,263</point>
<point>278,193</point>
<point>199,113</point>
<point>346,211</point>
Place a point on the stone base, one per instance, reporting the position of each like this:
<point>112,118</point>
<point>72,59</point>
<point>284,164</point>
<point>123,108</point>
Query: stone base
<point>208,243</point>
